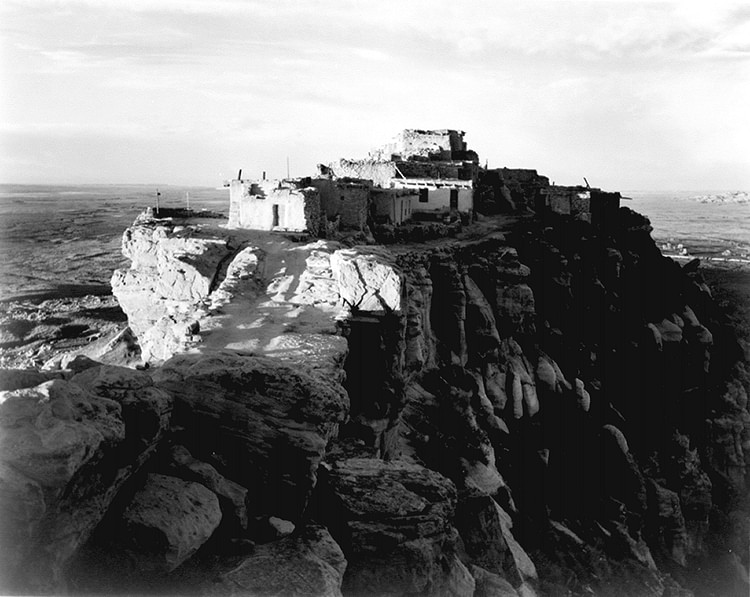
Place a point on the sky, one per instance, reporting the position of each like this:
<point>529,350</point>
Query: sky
<point>631,95</point>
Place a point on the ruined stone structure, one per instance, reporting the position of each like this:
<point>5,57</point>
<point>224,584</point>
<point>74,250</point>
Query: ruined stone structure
<point>440,144</point>
<point>509,189</point>
<point>286,205</point>
<point>345,199</point>
<point>583,203</point>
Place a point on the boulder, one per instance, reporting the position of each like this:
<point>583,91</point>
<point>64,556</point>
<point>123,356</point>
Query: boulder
<point>480,527</point>
<point>167,520</point>
<point>146,409</point>
<point>262,423</point>
<point>545,374</point>
<point>308,564</point>
<point>281,528</point>
<point>231,495</point>
<point>172,271</point>
<point>393,522</point>
<point>367,279</point>
<point>66,449</point>
<point>582,396</point>
<point>669,331</point>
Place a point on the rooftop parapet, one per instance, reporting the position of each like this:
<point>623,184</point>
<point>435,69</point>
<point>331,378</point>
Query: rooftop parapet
<point>440,144</point>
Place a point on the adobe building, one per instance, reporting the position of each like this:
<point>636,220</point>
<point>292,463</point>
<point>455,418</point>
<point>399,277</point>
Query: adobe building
<point>274,205</point>
<point>435,144</point>
<point>583,203</point>
<point>435,164</point>
<point>345,199</point>
<point>513,189</point>
<point>393,206</point>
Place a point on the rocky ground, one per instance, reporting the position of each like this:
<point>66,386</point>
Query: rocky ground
<point>43,329</point>
<point>529,408</point>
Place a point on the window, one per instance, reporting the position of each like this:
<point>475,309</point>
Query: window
<point>423,195</point>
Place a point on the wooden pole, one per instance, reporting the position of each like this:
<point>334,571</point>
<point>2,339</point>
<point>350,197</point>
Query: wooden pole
<point>158,194</point>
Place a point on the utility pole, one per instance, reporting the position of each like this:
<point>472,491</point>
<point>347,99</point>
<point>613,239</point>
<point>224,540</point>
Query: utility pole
<point>187,199</point>
<point>158,194</point>
<point>287,167</point>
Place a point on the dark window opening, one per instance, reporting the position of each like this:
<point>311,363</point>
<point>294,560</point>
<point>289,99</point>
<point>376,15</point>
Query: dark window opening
<point>454,199</point>
<point>275,215</point>
<point>423,195</point>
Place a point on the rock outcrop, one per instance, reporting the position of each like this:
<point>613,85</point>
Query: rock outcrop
<point>263,422</point>
<point>167,521</point>
<point>393,522</point>
<point>557,409</point>
<point>172,271</point>
<point>68,447</point>
<point>308,564</point>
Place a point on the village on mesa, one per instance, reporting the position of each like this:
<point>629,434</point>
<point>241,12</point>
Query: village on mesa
<point>421,176</point>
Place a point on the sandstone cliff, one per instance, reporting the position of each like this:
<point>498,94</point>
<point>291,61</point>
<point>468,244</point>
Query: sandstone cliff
<point>552,409</point>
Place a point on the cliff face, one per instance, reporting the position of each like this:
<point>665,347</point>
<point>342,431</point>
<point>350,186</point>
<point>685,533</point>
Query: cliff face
<point>556,409</point>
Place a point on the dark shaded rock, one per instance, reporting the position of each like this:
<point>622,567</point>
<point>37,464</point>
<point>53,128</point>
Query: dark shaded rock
<point>67,449</point>
<point>481,332</point>
<point>485,529</point>
<point>446,423</point>
<point>81,363</point>
<point>262,423</point>
<point>623,479</point>
<point>479,525</point>
<point>309,563</point>
<point>457,581</point>
<point>448,314</point>
<point>231,495</point>
<point>393,522</point>
<point>665,525</point>
<point>515,309</point>
<point>145,408</point>
<point>167,521</point>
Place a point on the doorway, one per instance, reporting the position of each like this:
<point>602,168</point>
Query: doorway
<point>275,215</point>
<point>454,199</point>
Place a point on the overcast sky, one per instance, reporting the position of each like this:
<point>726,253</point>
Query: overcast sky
<point>630,95</point>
